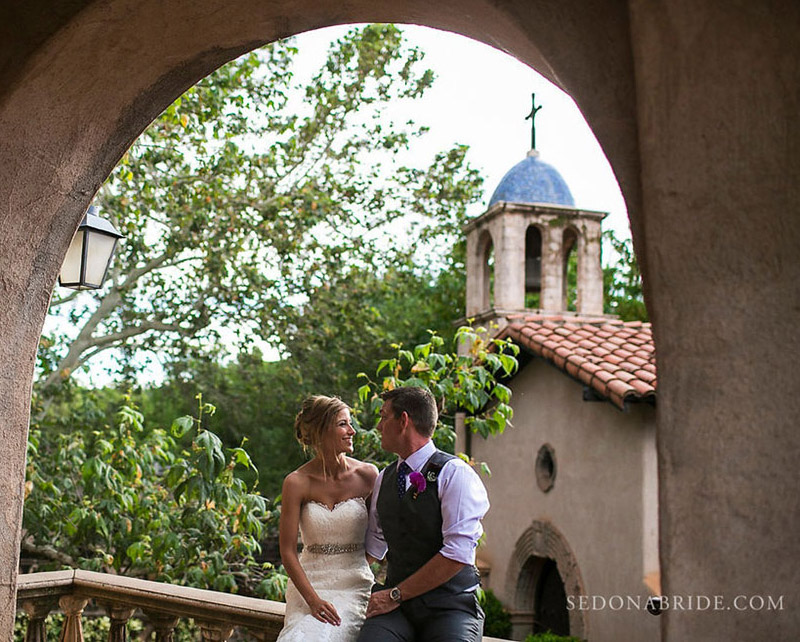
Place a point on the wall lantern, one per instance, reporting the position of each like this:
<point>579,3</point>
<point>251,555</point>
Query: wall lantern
<point>90,253</point>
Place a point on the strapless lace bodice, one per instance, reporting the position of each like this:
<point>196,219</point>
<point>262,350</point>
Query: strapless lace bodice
<point>343,525</point>
<point>334,562</point>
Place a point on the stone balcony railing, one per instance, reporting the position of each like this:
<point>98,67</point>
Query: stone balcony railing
<point>163,605</point>
<point>217,614</point>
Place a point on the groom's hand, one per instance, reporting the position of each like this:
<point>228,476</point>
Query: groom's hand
<point>380,602</point>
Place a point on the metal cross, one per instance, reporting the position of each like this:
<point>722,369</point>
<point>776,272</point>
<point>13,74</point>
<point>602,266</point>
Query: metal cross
<point>532,117</point>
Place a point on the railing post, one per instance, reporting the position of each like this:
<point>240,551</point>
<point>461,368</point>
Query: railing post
<point>37,611</point>
<point>119,616</point>
<point>218,615</point>
<point>265,635</point>
<point>73,606</point>
<point>164,626</point>
<point>216,631</point>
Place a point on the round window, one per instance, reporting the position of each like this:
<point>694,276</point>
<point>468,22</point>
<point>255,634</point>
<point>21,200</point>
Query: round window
<point>546,467</point>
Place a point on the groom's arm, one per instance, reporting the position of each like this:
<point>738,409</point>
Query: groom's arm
<point>435,572</point>
<point>374,541</point>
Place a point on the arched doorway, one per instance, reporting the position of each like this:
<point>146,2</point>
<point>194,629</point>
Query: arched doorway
<point>542,572</point>
<point>548,611</point>
<point>550,602</point>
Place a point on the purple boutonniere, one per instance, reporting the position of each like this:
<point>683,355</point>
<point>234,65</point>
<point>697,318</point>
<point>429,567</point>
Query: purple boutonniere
<point>417,480</point>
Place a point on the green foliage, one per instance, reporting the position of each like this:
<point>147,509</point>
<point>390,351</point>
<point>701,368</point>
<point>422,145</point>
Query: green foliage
<point>251,192</point>
<point>498,621</point>
<point>468,383</point>
<point>572,280</point>
<point>346,327</point>
<point>551,637</point>
<point>96,629</point>
<point>622,282</point>
<point>163,505</point>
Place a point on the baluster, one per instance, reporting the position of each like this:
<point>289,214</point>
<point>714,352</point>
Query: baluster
<point>216,631</point>
<point>37,611</point>
<point>73,606</point>
<point>119,616</point>
<point>164,626</point>
<point>265,635</point>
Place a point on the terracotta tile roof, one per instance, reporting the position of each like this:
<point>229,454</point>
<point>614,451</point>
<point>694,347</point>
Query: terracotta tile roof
<point>616,359</point>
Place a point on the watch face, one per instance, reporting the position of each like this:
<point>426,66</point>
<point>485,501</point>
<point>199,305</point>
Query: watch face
<point>395,594</point>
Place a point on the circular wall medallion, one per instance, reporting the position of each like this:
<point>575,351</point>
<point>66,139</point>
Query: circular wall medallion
<point>546,467</point>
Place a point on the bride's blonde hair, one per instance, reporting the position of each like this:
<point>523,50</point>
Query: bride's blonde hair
<point>317,414</point>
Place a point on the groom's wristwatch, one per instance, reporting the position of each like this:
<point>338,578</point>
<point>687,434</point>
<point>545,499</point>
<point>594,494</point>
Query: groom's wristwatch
<point>395,594</point>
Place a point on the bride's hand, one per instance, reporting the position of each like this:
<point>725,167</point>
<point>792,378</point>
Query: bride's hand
<point>325,612</point>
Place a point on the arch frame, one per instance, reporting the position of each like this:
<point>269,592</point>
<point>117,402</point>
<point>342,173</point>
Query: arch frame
<point>676,94</point>
<point>577,247</point>
<point>544,541</point>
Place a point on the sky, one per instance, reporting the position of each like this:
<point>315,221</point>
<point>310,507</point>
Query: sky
<point>480,98</point>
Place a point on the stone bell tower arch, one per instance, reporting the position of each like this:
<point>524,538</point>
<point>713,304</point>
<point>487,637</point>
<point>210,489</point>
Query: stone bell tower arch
<point>535,228</point>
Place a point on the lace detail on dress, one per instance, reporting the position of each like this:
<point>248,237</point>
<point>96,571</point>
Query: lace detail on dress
<point>337,504</point>
<point>344,579</point>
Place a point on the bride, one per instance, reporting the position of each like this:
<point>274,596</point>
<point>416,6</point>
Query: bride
<point>325,501</point>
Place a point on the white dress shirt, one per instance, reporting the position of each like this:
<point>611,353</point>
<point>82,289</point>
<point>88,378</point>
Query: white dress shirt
<point>464,503</point>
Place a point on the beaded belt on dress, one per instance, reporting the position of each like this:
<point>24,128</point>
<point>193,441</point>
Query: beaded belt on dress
<point>333,549</point>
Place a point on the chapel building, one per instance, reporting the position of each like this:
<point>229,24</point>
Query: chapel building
<point>574,489</point>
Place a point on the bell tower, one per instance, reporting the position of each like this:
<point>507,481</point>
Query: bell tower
<point>532,249</point>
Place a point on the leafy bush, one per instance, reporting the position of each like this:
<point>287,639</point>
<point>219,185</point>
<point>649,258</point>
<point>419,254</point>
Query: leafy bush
<point>96,629</point>
<point>132,500</point>
<point>498,620</point>
<point>467,383</point>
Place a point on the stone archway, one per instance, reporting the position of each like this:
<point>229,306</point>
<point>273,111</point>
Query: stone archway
<point>82,81</point>
<point>695,105</point>
<point>539,545</point>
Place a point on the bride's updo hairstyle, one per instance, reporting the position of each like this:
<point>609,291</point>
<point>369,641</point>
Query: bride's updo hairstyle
<point>317,414</point>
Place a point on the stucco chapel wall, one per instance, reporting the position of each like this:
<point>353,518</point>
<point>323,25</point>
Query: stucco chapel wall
<point>597,501</point>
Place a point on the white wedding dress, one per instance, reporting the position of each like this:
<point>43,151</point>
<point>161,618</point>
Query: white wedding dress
<point>334,562</point>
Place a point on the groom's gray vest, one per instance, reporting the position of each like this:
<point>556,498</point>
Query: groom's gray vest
<point>412,526</point>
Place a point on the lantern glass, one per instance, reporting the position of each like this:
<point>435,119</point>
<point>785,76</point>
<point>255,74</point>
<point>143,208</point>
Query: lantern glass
<point>99,250</point>
<point>90,253</point>
<point>71,270</point>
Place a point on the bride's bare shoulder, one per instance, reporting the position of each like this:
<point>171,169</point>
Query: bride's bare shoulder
<point>298,479</point>
<point>365,469</point>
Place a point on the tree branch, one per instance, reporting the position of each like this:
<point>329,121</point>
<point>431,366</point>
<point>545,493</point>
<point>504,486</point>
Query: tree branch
<point>66,299</point>
<point>109,340</point>
<point>48,553</point>
<point>138,272</point>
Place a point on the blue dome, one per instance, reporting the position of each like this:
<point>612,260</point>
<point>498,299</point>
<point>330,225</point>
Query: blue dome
<point>533,181</point>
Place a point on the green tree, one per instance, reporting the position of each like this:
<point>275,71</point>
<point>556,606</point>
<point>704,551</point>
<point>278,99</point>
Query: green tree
<point>132,500</point>
<point>251,192</point>
<point>345,328</point>
<point>622,282</point>
<point>462,381</point>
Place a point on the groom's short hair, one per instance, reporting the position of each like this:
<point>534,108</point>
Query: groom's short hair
<point>418,404</point>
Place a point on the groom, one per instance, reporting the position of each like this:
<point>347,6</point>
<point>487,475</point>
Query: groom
<point>425,510</point>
